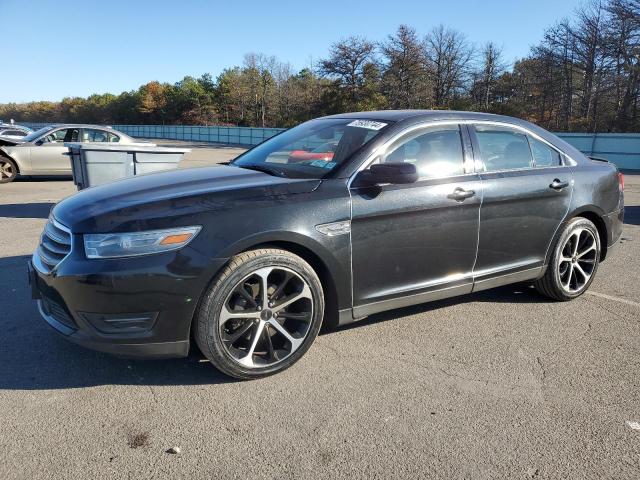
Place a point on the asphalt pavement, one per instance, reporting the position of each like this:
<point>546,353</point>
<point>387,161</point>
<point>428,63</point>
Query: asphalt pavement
<point>499,384</point>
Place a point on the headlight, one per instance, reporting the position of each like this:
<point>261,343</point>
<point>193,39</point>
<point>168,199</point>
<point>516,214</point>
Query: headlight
<point>113,245</point>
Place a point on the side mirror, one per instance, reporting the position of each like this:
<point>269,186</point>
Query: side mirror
<point>40,142</point>
<point>394,173</point>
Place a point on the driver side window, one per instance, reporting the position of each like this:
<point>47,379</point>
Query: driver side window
<point>61,136</point>
<point>436,151</point>
<point>55,137</point>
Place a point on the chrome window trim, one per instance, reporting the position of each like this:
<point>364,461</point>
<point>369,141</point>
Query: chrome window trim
<point>437,123</point>
<point>526,132</point>
<point>382,149</point>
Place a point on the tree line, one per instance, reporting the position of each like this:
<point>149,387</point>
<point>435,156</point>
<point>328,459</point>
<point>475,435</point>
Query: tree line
<point>583,75</point>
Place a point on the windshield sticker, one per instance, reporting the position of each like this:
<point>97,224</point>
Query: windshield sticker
<point>368,124</point>
<point>322,164</point>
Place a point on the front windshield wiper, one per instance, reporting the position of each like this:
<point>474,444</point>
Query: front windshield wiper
<point>264,169</point>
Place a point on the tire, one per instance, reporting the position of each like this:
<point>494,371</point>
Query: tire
<point>574,261</point>
<point>276,330</point>
<point>8,170</point>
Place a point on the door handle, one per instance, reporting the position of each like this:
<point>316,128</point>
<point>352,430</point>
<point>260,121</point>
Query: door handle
<point>558,184</point>
<point>459,194</point>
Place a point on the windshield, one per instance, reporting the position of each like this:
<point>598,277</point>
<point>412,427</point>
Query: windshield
<point>313,149</point>
<point>33,135</point>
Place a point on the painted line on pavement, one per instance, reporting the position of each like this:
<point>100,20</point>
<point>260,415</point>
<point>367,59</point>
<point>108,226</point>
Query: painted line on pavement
<point>614,299</point>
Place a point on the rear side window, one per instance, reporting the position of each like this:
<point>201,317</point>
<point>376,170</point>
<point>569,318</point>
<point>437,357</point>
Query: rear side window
<point>113,138</point>
<point>436,152</point>
<point>90,135</point>
<point>543,154</point>
<point>502,148</point>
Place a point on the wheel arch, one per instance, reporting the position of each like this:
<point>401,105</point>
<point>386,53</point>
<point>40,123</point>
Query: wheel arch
<point>322,260</point>
<point>327,280</point>
<point>594,214</point>
<point>3,153</point>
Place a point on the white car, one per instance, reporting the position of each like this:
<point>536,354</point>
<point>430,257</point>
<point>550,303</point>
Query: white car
<point>43,152</point>
<point>14,132</point>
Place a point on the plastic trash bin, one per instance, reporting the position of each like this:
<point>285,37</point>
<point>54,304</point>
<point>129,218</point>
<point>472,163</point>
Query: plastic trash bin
<point>97,163</point>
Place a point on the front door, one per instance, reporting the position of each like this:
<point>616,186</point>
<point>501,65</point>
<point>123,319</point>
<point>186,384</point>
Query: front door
<point>417,242</point>
<point>527,194</point>
<point>49,155</point>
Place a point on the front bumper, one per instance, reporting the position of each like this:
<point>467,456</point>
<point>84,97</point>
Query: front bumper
<point>130,350</point>
<point>137,307</point>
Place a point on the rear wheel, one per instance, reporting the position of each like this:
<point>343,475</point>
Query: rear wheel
<point>261,314</point>
<point>574,261</point>
<point>8,170</point>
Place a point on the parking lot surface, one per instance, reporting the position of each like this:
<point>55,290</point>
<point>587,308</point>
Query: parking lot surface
<point>499,384</point>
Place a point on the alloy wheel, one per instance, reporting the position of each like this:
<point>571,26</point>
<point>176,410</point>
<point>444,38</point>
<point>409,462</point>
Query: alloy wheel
<point>266,317</point>
<point>577,260</point>
<point>6,170</point>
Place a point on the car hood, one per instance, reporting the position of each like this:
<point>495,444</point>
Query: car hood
<point>137,203</point>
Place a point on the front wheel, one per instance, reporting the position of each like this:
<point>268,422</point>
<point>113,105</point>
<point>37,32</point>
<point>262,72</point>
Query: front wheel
<point>574,261</point>
<point>8,170</point>
<point>261,314</point>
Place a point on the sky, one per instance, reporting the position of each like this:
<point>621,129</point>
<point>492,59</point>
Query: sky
<point>77,48</point>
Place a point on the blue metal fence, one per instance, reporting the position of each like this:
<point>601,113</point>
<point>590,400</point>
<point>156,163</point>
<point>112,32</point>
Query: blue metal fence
<point>229,135</point>
<point>623,149</point>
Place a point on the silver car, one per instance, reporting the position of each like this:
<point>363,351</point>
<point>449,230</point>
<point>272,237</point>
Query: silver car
<point>14,132</point>
<point>43,152</point>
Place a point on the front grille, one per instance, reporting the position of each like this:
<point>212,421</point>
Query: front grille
<point>57,311</point>
<point>55,244</point>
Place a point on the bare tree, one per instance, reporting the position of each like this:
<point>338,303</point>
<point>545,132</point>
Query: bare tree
<point>558,47</point>
<point>449,58</point>
<point>492,67</point>
<point>624,43</point>
<point>405,81</point>
<point>592,57</point>
<point>346,64</point>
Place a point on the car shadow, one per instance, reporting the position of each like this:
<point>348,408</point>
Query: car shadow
<point>632,215</point>
<point>516,293</point>
<point>26,210</point>
<point>43,178</point>
<point>34,357</point>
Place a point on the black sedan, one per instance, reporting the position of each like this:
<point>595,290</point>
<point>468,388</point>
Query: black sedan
<point>251,259</point>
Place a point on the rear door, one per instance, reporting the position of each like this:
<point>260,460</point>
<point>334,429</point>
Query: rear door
<point>527,193</point>
<point>49,155</point>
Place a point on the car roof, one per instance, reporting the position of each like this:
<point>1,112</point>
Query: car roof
<point>79,125</point>
<point>405,117</point>
<point>87,125</point>
<point>425,115</point>
<point>8,126</point>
